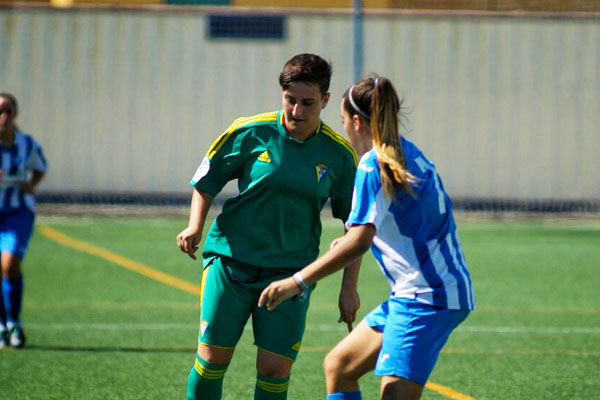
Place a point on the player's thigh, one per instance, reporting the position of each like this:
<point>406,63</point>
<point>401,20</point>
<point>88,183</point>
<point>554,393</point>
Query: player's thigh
<point>15,231</point>
<point>356,354</point>
<point>225,307</point>
<point>280,331</point>
<point>393,388</point>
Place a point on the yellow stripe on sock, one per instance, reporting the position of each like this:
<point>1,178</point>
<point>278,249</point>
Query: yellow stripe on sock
<point>208,373</point>
<point>273,387</point>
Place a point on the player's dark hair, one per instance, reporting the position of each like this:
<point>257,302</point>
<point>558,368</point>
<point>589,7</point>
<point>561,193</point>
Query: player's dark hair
<point>375,100</point>
<point>309,68</point>
<point>13,100</point>
<point>15,104</point>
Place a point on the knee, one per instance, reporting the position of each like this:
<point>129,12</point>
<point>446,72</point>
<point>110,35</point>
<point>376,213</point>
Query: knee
<point>215,355</point>
<point>11,266</point>
<point>273,366</point>
<point>273,371</point>
<point>333,365</point>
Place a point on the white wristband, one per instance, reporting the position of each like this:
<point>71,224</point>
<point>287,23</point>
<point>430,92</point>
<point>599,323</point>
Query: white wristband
<point>300,281</point>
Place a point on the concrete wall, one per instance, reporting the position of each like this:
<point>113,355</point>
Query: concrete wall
<point>130,100</point>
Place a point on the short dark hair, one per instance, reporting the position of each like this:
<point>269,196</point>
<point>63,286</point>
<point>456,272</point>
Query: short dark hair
<point>13,100</point>
<point>308,68</point>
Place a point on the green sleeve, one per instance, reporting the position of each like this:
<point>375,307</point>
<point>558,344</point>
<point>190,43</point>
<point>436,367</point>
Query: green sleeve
<point>223,162</point>
<point>341,191</point>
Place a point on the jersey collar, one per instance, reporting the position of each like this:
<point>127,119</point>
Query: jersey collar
<point>283,132</point>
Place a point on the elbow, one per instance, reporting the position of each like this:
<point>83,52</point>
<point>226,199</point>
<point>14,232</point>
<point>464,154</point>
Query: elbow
<point>362,246</point>
<point>362,238</point>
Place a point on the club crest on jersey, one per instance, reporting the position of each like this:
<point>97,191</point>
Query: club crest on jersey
<point>202,170</point>
<point>203,327</point>
<point>322,170</point>
<point>264,157</point>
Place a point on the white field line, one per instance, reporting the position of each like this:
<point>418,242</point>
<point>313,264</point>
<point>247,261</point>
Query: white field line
<point>310,328</point>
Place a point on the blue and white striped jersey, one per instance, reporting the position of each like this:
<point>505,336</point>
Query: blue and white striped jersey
<point>16,163</point>
<point>416,244</point>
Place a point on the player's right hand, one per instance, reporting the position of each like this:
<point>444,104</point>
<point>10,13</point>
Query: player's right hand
<point>277,292</point>
<point>188,240</point>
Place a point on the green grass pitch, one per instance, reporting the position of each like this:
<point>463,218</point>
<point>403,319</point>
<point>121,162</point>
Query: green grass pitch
<point>99,331</point>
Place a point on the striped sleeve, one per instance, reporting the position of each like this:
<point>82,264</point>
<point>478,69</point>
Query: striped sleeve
<point>369,203</point>
<point>35,160</point>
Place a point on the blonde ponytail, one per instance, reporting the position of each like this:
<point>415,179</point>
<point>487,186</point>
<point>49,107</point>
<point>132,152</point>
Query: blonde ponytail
<point>375,99</point>
<point>385,109</point>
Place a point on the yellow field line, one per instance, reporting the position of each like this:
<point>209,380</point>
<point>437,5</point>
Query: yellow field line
<point>448,392</point>
<point>118,259</point>
<point>151,273</point>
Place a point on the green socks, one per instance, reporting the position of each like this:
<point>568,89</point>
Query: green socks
<point>205,381</point>
<point>268,388</point>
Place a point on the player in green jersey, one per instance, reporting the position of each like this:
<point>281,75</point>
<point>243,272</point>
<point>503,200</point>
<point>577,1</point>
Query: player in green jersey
<point>288,163</point>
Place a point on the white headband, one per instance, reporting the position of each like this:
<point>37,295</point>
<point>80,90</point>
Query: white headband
<point>353,104</point>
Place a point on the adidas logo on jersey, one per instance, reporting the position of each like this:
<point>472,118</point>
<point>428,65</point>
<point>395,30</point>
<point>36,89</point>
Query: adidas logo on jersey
<point>264,157</point>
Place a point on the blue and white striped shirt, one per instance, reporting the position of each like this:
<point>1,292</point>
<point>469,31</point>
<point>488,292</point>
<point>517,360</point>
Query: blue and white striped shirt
<point>16,164</point>
<point>416,244</point>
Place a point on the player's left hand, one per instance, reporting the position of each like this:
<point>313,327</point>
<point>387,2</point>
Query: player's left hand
<point>277,292</point>
<point>27,187</point>
<point>348,303</point>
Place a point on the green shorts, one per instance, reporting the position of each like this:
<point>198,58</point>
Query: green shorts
<point>229,295</point>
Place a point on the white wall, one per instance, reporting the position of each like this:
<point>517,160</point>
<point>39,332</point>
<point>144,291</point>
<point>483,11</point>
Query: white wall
<point>130,100</point>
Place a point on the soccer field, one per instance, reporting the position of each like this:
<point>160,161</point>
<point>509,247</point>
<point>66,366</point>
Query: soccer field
<point>111,312</point>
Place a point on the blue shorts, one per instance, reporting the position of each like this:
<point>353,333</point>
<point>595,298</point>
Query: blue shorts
<point>16,227</point>
<point>413,336</point>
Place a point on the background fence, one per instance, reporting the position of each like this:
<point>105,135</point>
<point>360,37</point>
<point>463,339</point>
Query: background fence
<point>128,100</point>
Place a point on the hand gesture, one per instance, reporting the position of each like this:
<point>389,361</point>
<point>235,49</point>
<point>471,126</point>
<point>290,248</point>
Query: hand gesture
<point>188,240</point>
<point>277,292</point>
<point>348,303</point>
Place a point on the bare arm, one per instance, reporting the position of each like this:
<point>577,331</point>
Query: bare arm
<point>190,237</point>
<point>349,300</point>
<point>36,178</point>
<point>347,250</point>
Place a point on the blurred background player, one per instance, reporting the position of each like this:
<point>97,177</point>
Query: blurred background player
<point>22,167</point>
<point>401,211</point>
<point>288,164</point>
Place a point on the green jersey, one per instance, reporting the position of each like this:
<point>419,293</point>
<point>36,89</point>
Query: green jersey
<point>274,220</point>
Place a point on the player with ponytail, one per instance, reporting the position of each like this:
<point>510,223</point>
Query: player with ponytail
<point>403,214</point>
<point>376,101</point>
